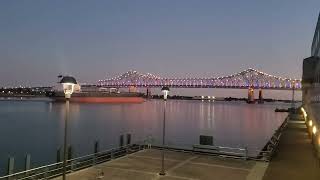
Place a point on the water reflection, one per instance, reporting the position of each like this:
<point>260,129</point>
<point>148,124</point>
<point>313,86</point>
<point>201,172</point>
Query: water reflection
<point>37,127</point>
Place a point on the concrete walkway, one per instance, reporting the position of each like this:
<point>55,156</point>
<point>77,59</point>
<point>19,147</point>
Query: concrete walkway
<point>145,165</point>
<point>295,159</point>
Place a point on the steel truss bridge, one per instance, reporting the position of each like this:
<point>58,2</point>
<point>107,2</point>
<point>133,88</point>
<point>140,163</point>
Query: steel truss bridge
<point>250,78</point>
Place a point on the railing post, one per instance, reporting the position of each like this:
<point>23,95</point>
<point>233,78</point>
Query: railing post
<point>46,172</point>
<point>10,166</point>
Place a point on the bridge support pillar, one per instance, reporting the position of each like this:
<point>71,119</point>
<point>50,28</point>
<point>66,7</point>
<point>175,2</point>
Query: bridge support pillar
<point>132,89</point>
<point>148,93</point>
<point>260,101</point>
<point>250,96</point>
<point>292,100</point>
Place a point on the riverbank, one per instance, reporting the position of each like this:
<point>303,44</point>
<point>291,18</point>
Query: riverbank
<point>206,98</point>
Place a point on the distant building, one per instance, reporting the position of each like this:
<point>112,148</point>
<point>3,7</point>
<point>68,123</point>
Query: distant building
<point>315,48</point>
<point>311,71</point>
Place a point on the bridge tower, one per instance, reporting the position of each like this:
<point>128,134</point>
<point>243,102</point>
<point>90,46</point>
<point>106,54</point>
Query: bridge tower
<point>250,96</point>
<point>260,101</point>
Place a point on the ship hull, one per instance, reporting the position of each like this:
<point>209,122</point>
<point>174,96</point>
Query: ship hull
<point>98,97</point>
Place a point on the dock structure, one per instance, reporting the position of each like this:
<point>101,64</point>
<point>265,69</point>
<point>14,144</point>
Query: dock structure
<point>146,165</point>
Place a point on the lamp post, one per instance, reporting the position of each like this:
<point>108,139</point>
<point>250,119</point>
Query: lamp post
<point>165,91</point>
<point>68,83</point>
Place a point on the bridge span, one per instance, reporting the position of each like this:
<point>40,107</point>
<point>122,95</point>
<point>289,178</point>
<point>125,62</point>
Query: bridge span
<point>250,78</point>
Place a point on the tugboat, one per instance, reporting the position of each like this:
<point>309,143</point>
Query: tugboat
<point>95,94</point>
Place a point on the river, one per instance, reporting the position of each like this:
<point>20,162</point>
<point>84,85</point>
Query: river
<point>37,127</point>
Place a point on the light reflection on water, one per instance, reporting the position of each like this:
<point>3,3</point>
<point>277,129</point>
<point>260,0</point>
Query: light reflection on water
<point>37,127</point>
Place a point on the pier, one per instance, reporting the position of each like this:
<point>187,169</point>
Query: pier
<point>146,165</point>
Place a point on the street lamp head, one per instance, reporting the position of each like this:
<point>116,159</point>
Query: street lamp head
<point>165,91</point>
<point>68,83</point>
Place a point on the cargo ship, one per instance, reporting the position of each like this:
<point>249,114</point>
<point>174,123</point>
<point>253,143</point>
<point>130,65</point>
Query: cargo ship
<point>99,97</point>
<point>95,94</point>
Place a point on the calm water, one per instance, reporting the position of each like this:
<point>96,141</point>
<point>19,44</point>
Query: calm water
<point>37,127</point>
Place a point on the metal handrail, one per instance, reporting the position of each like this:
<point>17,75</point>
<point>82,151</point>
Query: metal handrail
<point>54,170</point>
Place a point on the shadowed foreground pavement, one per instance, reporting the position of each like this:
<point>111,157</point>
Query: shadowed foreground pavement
<point>145,165</point>
<point>296,159</point>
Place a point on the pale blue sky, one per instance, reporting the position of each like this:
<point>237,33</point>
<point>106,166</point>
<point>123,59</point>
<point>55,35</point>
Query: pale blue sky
<point>92,39</point>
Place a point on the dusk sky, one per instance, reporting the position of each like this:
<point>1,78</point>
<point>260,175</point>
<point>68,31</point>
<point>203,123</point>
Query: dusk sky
<point>95,39</point>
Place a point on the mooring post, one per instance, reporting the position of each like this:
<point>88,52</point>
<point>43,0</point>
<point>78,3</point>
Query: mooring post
<point>10,166</point>
<point>112,154</point>
<point>96,147</point>
<point>96,150</point>
<point>59,158</point>
<point>128,139</point>
<point>27,163</point>
<point>246,153</point>
<point>59,155</point>
<point>70,151</point>
<point>69,157</point>
<point>121,141</point>
<point>128,143</point>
